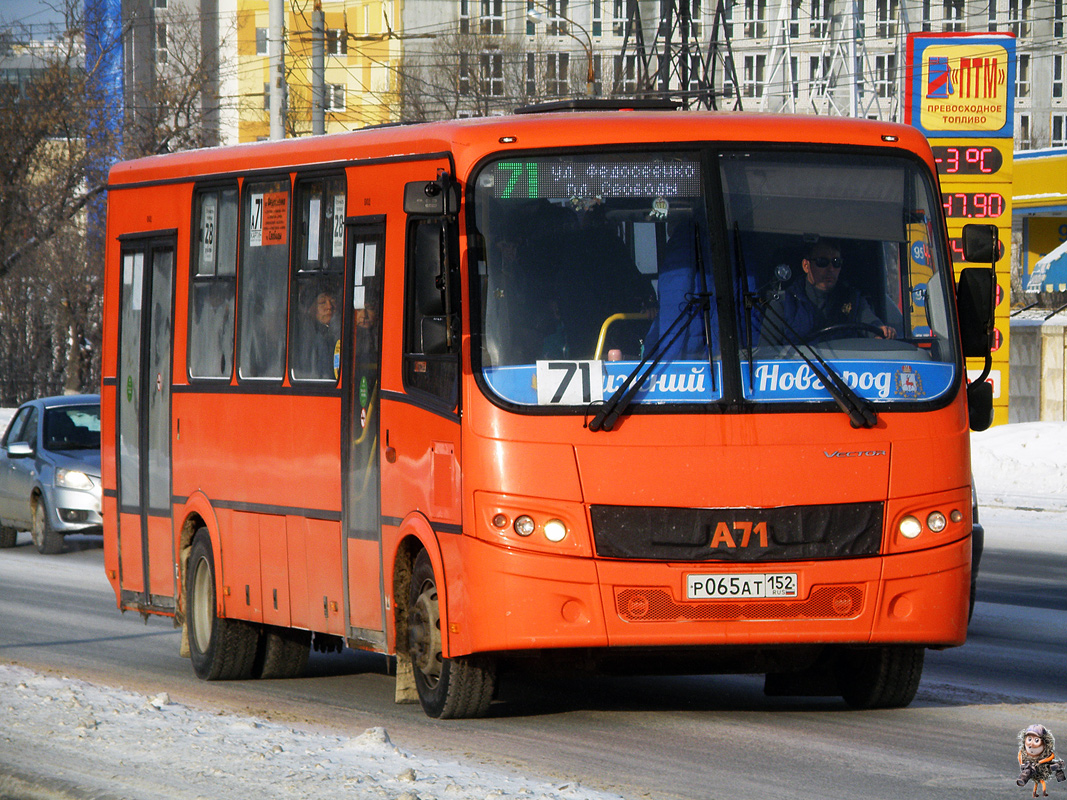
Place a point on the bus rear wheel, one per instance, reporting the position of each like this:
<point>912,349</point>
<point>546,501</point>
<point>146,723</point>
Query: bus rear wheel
<point>283,653</point>
<point>448,688</point>
<point>881,677</point>
<point>220,649</point>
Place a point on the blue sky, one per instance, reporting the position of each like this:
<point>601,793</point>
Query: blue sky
<point>34,13</point>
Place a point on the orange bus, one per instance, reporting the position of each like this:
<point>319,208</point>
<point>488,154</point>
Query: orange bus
<point>559,387</point>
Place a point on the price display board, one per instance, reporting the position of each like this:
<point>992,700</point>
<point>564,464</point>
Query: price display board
<point>960,94</point>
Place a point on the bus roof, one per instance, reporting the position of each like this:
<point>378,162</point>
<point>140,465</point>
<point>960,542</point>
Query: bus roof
<point>468,140</point>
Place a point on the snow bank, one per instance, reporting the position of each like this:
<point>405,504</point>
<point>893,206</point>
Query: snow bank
<point>1021,466</point>
<point>94,741</point>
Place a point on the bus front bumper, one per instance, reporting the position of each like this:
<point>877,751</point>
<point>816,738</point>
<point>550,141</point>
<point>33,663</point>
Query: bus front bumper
<point>512,600</point>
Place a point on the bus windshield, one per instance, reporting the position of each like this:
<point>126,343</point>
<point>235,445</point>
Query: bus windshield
<point>592,268</point>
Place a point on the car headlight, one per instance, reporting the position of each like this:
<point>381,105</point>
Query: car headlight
<point>73,479</point>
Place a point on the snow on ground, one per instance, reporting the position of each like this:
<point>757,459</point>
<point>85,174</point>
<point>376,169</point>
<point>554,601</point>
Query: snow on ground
<point>96,736</point>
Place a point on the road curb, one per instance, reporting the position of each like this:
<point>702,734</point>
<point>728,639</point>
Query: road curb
<point>16,785</point>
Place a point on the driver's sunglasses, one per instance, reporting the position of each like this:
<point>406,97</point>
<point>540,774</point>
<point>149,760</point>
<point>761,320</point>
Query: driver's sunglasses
<point>823,262</point>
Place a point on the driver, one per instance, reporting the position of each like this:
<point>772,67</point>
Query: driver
<point>819,301</point>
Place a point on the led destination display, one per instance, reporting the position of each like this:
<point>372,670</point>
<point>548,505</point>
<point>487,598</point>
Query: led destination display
<point>553,179</point>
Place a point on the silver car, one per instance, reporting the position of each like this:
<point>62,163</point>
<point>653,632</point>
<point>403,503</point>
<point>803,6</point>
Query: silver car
<point>50,471</point>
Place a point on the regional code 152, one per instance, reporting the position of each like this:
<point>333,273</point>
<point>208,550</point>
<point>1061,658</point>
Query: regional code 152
<point>741,587</point>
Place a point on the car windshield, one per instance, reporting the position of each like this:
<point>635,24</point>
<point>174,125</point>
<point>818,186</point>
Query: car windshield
<point>591,264</point>
<point>595,272</point>
<point>72,428</point>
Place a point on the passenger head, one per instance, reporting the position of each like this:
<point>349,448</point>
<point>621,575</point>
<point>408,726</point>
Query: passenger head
<point>324,308</point>
<point>823,264</point>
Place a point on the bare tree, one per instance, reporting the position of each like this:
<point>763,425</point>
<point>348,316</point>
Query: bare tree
<point>51,259</point>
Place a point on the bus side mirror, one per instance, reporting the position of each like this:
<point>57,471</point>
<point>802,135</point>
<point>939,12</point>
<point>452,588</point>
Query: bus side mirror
<point>981,244</point>
<point>975,296</point>
<point>436,198</point>
<point>979,405</point>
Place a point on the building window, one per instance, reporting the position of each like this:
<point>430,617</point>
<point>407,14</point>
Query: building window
<point>531,75</point>
<point>266,97</point>
<point>926,23</point>
<point>618,18</point>
<point>598,23</point>
<point>794,18</point>
<point>161,43</point>
<point>556,75</point>
<point>1022,76</point>
<point>492,77</point>
<point>954,17</point>
<point>557,17</point>
<point>492,23</point>
<point>819,75</point>
<point>1057,77</point>
<point>625,79</point>
<point>754,67</point>
<point>755,19</point>
<point>464,74</point>
<point>696,18</point>
<point>993,13</point>
<point>1022,132</point>
<point>1057,19</point>
<point>794,77</point>
<point>1019,17</point>
<point>336,42</point>
<point>886,17</point>
<point>464,16</point>
<point>820,19</point>
<point>885,70</point>
<point>261,41</point>
<point>335,97</point>
<point>1059,130</point>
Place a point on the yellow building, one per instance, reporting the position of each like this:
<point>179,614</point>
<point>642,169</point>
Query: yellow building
<point>1040,205</point>
<point>362,54</point>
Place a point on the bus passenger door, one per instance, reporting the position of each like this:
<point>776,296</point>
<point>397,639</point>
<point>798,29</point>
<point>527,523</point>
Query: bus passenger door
<point>146,541</point>
<point>362,545</point>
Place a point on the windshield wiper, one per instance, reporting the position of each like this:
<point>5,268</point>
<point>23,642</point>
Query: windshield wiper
<point>860,412</point>
<point>621,398</point>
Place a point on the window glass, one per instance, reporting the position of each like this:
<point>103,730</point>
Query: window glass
<point>72,428</point>
<point>28,433</point>
<point>214,284</point>
<point>592,263</point>
<point>839,257</point>
<point>431,362</point>
<point>15,429</point>
<point>315,326</point>
<point>264,279</point>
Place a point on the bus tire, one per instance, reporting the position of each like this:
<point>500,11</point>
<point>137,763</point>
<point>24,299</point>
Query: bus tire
<point>448,688</point>
<point>283,653</point>
<point>8,536</point>
<point>881,677</point>
<point>220,649</point>
<point>47,541</point>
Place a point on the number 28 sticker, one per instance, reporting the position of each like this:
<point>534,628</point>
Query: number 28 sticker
<point>569,383</point>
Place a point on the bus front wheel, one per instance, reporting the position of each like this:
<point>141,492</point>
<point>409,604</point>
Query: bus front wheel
<point>448,688</point>
<point>881,677</point>
<point>220,649</point>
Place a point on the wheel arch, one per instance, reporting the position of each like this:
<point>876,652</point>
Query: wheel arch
<point>415,535</point>
<point>196,515</point>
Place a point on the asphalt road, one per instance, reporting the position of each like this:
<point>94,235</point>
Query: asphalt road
<point>679,737</point>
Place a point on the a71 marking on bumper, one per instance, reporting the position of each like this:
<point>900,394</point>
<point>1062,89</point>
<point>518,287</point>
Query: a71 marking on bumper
<point>741,587</point>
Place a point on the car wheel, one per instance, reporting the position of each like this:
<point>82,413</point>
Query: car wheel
<point>8,536</point>
<point>45,538</point>
<point>448,688</point>
<point>220,649</point>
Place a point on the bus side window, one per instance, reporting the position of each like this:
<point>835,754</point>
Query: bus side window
<point>315,300</point>
<point>429,364</point>
<point>210,351</point>
<point>264,280</point>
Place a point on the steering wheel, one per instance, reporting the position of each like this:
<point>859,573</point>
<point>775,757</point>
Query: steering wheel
<point>832,331</point>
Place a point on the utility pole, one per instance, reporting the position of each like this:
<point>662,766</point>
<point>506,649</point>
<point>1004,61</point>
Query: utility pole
<point>276,57</point>
<point>318,70</point>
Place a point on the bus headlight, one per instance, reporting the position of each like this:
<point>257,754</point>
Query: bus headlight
<point>936,521</point>
<point>555,531</point>
<point>910,527</point>
<point>524,525</point>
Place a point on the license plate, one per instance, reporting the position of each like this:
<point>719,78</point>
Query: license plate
<point>741,587</point>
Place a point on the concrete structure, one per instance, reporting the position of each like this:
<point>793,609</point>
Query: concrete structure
<point>1038,374</point>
